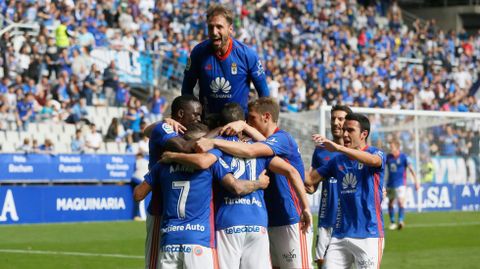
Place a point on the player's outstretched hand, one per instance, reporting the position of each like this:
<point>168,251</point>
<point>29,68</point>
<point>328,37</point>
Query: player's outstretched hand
<point>167,157</point>
<point>322,141</point>
<point>233,128</point>
<point>177,127</point>
<point>203,145</point>
<point>306,220</point>
<point>264,180</point>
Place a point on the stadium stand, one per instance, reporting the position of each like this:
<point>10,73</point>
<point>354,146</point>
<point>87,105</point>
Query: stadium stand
<point>315,52</point>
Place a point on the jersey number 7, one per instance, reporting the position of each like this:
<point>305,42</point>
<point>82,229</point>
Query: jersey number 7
<point>184,187</point>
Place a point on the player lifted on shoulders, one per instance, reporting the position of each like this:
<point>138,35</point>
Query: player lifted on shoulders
<point>358,235</point>
<point>397,166</point>
<point>223,66</point>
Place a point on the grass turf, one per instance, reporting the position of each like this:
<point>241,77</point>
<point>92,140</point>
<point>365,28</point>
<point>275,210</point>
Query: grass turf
<point>429,240</point>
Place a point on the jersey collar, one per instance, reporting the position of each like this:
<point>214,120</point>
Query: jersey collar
<point>225,56</point>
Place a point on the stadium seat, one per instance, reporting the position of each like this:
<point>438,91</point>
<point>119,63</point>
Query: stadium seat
<point>44,128</point>
<point>12,137</point>
<point>8,147</point>
<point>69,129</point>
<point>112,148</point>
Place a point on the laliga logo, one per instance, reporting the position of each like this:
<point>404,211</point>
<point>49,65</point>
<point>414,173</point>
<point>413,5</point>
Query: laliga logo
<point>349,180</point>
<point>220,83</point>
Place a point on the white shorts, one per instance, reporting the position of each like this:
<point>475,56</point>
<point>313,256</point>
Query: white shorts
<point>396,193</point>
<point>187,256</point>
<point>323,240</point>
<point>243,247</point>
<point>152,242</point>
<point>290,247</point>
<point>365,253</point>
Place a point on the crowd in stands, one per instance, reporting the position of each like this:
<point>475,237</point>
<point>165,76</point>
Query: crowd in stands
<point>314,52</point>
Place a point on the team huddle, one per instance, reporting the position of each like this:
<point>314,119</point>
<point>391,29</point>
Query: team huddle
<point>232,193</point>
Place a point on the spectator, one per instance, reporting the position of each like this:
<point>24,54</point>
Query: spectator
<point>158,105</point>
<point>77,145</point>
<point>115,131</point>
<point>24,112</point>
<point>25,147</point>
<point>93,139</point>
<point>47,147</point>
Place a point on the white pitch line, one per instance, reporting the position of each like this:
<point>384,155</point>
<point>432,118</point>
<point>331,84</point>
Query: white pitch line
<point>67,253</point>
<point>442,224</point>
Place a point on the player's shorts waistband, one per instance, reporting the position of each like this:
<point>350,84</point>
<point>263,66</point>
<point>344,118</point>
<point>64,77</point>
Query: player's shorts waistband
<point>245,229</point>
<point>180,248</point>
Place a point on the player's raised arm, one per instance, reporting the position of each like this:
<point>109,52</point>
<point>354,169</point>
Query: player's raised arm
<point>197,160</point>
<point>364,157</point>
<point>279,166</point>
<point>234,128</point>
<point>312,180</point>
<point>244,187</point>
<point>238,149</point>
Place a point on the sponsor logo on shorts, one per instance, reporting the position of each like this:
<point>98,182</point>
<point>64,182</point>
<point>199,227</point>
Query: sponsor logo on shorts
<point>365,264</point>
<point>177,249</point>
<point>198,251</point>
<point>245,229</point>
<point>290,256</point>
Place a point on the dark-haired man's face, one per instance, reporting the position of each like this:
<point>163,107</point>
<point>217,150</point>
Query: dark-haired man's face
<point>191,113</point>
<point>337,119</point>
<point>353,137</point>
<point>256,120</point>
<point>219,30</point>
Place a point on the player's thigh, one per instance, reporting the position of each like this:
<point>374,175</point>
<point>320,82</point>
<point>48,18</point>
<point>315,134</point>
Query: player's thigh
<point>292,247</point>
<point>256,251</point>
<point>367,252</point>
<point>200,257</point>
<point>152,241</point>
<point>170,259</point>
<point>229,247</point>
<point>324,236</point>
<point>400,193</point>
<point>391,194</point>
<point>338,255</point>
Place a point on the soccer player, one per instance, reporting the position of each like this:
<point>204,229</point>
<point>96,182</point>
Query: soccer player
<point>397,166</point>
<point>223,66</point>
<point>358,236</point>
<point>287,211</point>
<point>327,213</point>
<point>241,222</point>
<point>188,237</point>
<point>185,110</point>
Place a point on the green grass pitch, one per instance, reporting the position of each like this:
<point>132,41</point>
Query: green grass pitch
<point>430,240</point>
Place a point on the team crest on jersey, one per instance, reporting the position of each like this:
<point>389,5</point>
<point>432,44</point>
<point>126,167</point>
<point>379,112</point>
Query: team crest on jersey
<point>189,64</point>
<point>167,128</point>
<point>220,84</point>
<point>198,251</point>
<point>234,68</point>
<point>349,183</point>
<point>208,67</point>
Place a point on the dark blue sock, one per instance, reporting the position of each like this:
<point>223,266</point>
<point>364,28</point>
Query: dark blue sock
<point>391,213</point>
<point>401,214</point>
